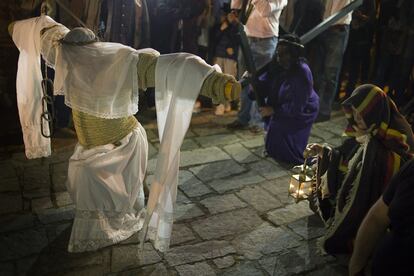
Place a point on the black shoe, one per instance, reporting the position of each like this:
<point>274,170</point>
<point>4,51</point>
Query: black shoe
<point>322,118</point>
<point>237,125</point>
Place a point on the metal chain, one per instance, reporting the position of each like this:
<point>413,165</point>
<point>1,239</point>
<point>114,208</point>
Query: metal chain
<point>48,106</point>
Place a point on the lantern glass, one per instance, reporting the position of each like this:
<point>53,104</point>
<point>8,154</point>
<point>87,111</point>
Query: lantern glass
<point>301,183</point>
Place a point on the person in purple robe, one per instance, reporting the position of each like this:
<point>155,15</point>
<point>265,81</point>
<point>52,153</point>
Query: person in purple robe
<point>292,104</point>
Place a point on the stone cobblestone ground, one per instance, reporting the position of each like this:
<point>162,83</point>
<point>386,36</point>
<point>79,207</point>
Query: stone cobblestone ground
<point>233,214</point>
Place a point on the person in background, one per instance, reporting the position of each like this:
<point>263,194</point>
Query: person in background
<point>327,63</point>
<point>226,48</point>
<point>390,251</point>
<point>292,104</point>
<point>262,30</point>
<point>358,53</point>
<point>354,175</point>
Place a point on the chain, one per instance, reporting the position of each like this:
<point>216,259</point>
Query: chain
<point>48,107</point>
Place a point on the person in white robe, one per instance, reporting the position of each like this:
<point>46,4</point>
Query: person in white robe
<point>100,83</point>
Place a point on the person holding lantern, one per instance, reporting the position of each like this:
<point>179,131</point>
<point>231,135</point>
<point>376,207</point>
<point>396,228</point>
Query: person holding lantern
<point>100,82</point>
<point>352,177</point>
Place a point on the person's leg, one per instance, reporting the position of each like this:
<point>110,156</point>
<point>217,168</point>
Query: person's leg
<point>262,51</point>
<point>335,42</point>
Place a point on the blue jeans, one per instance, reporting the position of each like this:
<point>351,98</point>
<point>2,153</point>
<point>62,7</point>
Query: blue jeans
<point>328,63</point>
<point>262,50</point>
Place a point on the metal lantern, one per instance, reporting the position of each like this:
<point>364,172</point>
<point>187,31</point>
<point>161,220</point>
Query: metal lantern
<point>302,182</point>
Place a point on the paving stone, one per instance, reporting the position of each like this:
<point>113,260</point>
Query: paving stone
<point>195,189</point>
<point>225,224</point>
<point>209,130</point>
<point>10,203</point>
<point>337,126</point>
<point>202,269</point>
<point>133,239</point>
<point>124,257</point>
<point>15,222</point>
<point>56,215</point>
<point>7,170</point>
<point>202,156</point>
<point>57,231</point>
<point>256,142</point>
<point>62,199</point>
<point>59,261</point>
<point>21,244</point>
<point>150,270</point>
<point>222,203</point>
<point>181,234</point>
<point>152,151</point>
<point>189,134</point>
<point>191,185</point>
<point>263,240</point>
<point>9,184</point>
<point>246,134</point>
<point>24,265</point>
<point>290,213</point>
<point>152,135</point>
<point>36,193</point>
<point>331,270</point>
<point>240,153</point>
<point>217,140</point>
<point>59,176</point>
<point>224,262</point>
<point>35,177</point>
<point>322,133</point>
<point>186,211</point>
<point>336,141</point>
<point>7,269</point>
<point>235,182</point>
<point>268,169</point>
<point>279,188</point>
<point>182,199</point>
<point>243,269</point>
<point>62,154</point>
<point>217,170</point>
<point>314,139</point>
<point>259,198</point>
<point>189,144</point>
<point>198,252</point>
<point>309,227</point>
<point>95,270</point>
<point>41,203</point>
<point>295,261</point>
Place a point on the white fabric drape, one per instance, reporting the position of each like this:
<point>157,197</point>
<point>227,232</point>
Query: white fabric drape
<point>105,184</point>
<point>26,36</point>
<point>178,81</point>
<point>99,79</point>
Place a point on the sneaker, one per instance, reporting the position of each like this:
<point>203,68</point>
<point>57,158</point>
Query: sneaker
<point>219,110</point>
<point>227,107</point>
<point>236,125</point>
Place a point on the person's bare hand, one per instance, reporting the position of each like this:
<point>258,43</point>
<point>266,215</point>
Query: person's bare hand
<point>313,149</point>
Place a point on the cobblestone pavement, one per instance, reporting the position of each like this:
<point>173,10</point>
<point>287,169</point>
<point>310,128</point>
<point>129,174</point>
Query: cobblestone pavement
<point>233,215</point>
